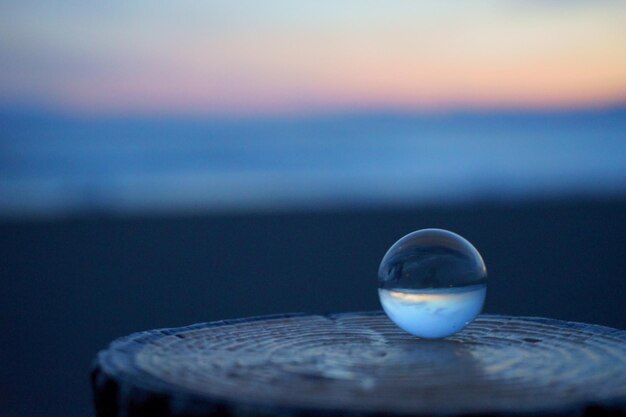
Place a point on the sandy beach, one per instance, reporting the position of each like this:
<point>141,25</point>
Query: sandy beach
<point>72,285</point>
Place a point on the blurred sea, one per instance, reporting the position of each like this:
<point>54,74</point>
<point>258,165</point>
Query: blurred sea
<point>56,165</point>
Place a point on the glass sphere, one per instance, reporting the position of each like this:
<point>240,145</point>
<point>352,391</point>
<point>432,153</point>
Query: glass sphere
<point>432,283</point>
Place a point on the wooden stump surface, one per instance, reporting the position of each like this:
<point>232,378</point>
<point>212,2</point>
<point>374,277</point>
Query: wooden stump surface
<point>362,364</point>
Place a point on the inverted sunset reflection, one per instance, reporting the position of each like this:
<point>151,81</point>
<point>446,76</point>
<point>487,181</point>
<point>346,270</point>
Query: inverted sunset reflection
<point>433,313</point>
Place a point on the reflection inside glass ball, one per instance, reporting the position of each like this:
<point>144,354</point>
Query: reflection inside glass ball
<point>432,283</point>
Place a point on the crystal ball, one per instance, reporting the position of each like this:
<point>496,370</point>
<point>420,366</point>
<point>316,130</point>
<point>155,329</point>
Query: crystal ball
<point>432,283</point>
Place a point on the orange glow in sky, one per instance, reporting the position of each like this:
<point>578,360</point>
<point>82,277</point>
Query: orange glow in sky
<point>245,57</point>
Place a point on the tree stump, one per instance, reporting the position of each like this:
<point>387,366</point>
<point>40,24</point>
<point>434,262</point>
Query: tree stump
<point>361,364</point>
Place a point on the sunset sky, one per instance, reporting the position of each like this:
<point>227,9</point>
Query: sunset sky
<point>282,57</point>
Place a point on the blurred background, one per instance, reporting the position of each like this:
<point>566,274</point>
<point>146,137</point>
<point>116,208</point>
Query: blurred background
<point>165,163</point>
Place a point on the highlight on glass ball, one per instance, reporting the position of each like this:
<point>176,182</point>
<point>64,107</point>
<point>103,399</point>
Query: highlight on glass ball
<point>432,283</point>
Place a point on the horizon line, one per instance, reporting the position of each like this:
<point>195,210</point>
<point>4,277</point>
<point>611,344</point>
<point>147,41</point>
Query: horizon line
<point>12,110</point>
